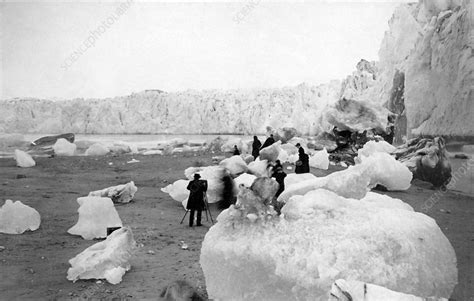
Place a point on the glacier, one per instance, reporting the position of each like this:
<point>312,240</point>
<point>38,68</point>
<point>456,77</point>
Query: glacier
<point>424,79</point>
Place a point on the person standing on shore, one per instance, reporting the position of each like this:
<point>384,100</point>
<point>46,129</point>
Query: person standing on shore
<point>256,147</point>
<point>236,151</point>
<point>302,165</point>
<point>196,202</point>
<point>270,140</point>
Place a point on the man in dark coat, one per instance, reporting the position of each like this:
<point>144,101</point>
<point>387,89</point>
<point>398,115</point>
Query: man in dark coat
<point>256,147</point>
<point>236,151</point>
<point>270,140</point>
<point>279,176</point>
<point>302,165</point>
<point>196,202</point>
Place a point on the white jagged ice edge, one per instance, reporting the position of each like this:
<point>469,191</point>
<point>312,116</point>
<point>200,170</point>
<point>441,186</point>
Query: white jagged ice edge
<point>16,218</point>
<point>324,237</point>
<point>108,259</point>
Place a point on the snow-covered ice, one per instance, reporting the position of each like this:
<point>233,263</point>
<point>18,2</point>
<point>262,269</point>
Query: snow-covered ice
<point>293,178</point>
<point>16,218</point>
<point>177,190</point>
<point>123,193</point>
<point>96,214</point>
<point>62,147</point>
<point>23,159</point>
<point>259,168</point>
<point>321,238</point>
<point>108,259</point>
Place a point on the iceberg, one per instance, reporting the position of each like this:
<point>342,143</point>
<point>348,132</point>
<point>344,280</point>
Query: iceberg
<point>16,218</point>
<point>319,238</point>
<point>23,159</point>
<point>96,214</point>
<point>320,160</point>
<point>270,153</point>
<point>108,259</point>
<point>235,165</point>
<point>97,149</point>
<point>245,179</point>
<point>63,147</point>
<point>177,190</point>
<point>119,194</point>
<point>372,147</point>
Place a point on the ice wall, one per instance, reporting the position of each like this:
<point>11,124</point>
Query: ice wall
<point>232,111</point>
<point>431,43</point>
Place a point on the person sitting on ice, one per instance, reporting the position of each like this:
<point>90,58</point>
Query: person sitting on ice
<point>196,202</point>
<point>256,147</point>
<point>236,151</point>
<point>270,140</point>
<point>302,165</point>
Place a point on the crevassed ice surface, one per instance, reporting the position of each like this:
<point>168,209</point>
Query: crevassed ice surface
<point>323,237</point>
<point>16,218</point>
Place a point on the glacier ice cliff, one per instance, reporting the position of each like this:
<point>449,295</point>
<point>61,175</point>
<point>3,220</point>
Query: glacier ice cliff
<point>424,76</point>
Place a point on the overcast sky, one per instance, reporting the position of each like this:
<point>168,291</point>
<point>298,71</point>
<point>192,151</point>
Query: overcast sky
<point>68,50</point>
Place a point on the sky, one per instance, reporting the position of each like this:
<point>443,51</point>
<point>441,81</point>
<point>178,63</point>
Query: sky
<point>60,50</point>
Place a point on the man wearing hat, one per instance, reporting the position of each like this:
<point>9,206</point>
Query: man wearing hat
<point>197,190</point>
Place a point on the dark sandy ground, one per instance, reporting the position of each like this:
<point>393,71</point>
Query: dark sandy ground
<point>34,265</point>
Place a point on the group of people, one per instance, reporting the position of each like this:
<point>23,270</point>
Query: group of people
<point>198,187</point>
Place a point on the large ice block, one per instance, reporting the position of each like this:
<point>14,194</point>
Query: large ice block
<point>62,147</point>
<point>16,218</point>
<point>108,259</point>
<point>235,165</point>
<point>118,194</point>
<point>320,160</point>
<point>23,159</point>
<point>96,214</point>
<point>323,237</point>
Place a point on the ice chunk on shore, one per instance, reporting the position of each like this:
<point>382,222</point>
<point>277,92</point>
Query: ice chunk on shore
<point>245,179</point>
<point>320,160</point>
<point>96,214</point>
<point>259,168</point>
<point>16,218</point>
<point>352,290</point>
<point>293,178</point>
<point>118,194</point>
<point>323,237</point>
<point>97,149</point>
<point>108,259</point>
<point>23,159</point>
<point>386,170</point>
<point>235,165</point>
<point>270,153</point>
<point>355,181</point>
<point>372,147</point>
<point>62,147</point>
<point>177,190</point>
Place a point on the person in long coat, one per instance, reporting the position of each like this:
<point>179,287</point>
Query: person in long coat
<point>256,147</point>
<point>302,165</point>
<point>279,176</point>
<point>270,140</point>
<point>196,202</point>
